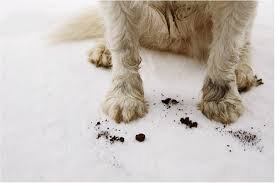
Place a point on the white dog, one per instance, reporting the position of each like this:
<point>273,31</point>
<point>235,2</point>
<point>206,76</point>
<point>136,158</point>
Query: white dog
<point>217,32</point>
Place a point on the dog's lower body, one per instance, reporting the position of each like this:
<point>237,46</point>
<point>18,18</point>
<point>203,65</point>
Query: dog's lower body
<point>215,32</point>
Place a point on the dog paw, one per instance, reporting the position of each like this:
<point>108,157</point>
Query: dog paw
<point>246,79</point>
<point>225,111</point>
<point>100,56</point>
<point>123,108</point>
<point>221,101</point>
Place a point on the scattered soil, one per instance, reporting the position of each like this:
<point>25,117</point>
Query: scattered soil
<point>116,139</point>
<point>112,138</point>
<point>140,137</point>
<point>169,102</point>
<point>103,134</point>
<point>106,133</point>
<point>246,138</point>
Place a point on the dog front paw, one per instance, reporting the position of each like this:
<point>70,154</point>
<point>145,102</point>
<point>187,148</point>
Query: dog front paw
<point>225,111</point>
<point>220,102</point>
<point>123,108</point>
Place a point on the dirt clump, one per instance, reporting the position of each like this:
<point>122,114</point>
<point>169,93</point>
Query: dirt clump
<point>169,101</point>
<point>166,101</point>
<point>140,137</point>
<point>188,122</point>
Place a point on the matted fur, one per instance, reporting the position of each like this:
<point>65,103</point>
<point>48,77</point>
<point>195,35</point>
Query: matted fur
<point>216,32</point>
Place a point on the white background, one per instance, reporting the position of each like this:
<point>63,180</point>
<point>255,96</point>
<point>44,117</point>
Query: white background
<point>50,94</point>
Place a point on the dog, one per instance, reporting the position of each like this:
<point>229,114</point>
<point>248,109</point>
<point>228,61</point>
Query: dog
<point>216,32</point>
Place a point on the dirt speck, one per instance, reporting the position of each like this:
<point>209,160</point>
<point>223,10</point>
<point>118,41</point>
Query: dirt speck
<point>169,102</point>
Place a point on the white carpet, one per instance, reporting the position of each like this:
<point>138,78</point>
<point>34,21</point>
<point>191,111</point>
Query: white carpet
<point>50,95</point>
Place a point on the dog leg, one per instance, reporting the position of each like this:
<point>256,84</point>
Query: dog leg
<point>221,100</point>
<point>125,100</point>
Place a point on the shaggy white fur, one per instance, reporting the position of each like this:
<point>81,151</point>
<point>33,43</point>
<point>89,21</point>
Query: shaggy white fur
<point>215,32</point>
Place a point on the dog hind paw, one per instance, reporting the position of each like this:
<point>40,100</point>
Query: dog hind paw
<point>100,56</point>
